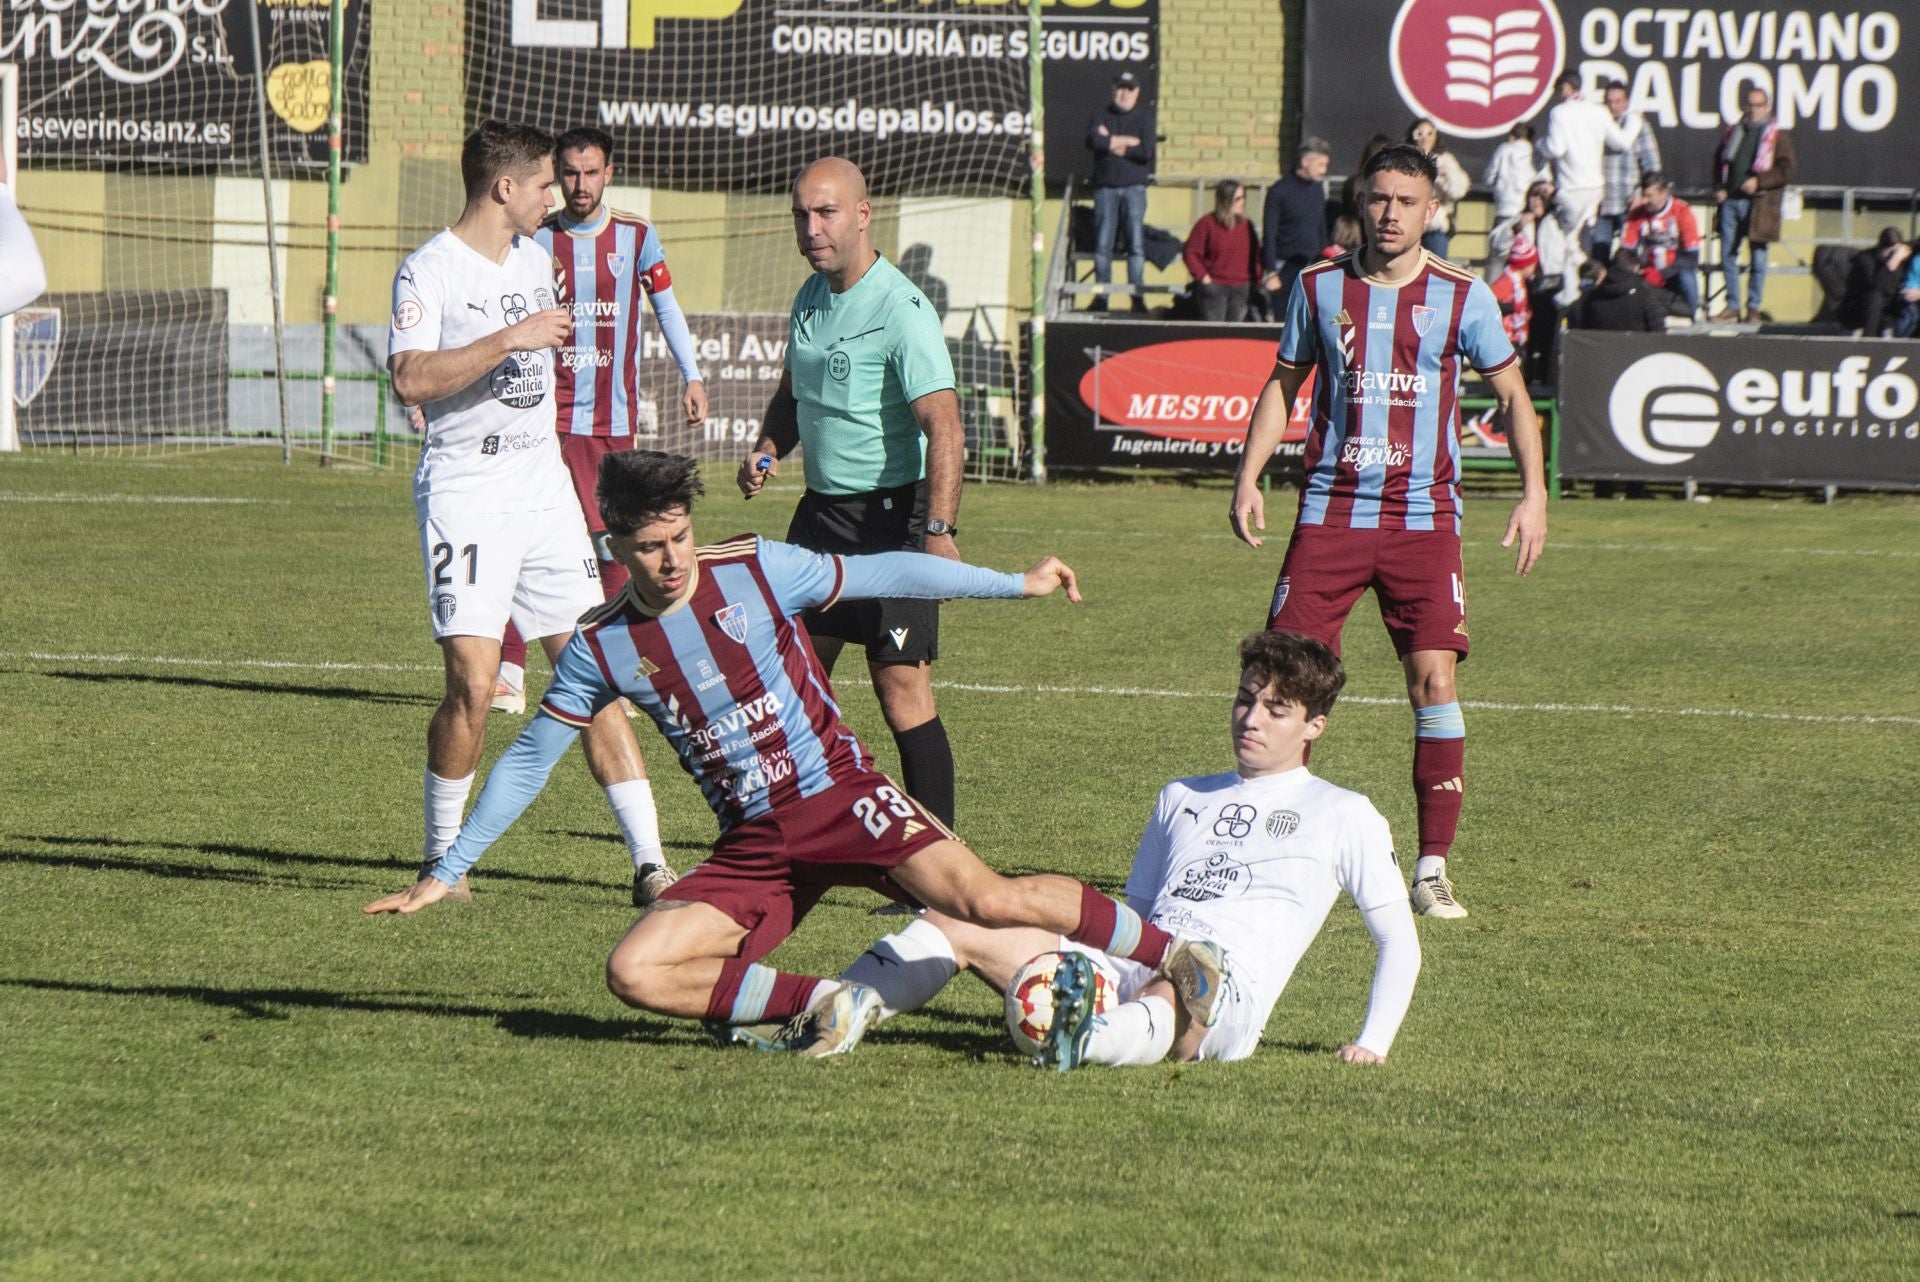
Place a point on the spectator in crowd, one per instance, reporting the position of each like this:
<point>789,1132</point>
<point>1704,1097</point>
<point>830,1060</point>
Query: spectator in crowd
<point>1294,219</point>
<point>1621,299</point>
<point>1753,166</point>
<point>1121,139</point>
<point>1625,168</point>
<point>1511,171</point>
<point>1534,228</point>
<point>1223,255</point>
<point>1579,133</point>
<point>1870,300</point>
<point>1513,289</point>
<point>1350,189</point>
<point>1450,185</point>
<point>1348,235</point>
<point>1663,229</point>
<point>1906,322</point>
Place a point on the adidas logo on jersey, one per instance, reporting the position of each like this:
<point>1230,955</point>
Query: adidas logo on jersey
<point>1451,785</point>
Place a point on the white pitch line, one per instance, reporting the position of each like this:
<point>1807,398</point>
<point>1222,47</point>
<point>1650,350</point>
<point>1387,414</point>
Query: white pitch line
<point>1278,538</point>
<point>203,500</point>
<point>1132,692</point>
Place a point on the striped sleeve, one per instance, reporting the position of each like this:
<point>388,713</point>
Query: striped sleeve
<point>1483,337</point>
<point>580,687</point>
<point>1300,340</point>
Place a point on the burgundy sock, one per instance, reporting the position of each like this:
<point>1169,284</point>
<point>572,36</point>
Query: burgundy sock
<point>513,647</point>
<point>1112,927</point>
<point>749,993</point>
<point>1437,791</point>
<point>613,575</point>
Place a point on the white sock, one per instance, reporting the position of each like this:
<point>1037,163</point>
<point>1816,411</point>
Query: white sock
<point>445,802</point>
<point>633,810</point>
<point>514,675</point>
<point>906,968</point>
<point>1429,866</point>
<point>1135,1032</point>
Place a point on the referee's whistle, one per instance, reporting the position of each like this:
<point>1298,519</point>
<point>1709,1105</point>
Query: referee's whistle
<point>764,462</point>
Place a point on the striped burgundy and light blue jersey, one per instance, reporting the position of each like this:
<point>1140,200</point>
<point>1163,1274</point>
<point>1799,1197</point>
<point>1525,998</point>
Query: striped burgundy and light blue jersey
<point>727,674</point>
<point>1383,450</point>
<point>604,269</point>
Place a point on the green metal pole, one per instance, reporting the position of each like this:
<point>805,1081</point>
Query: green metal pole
<point>1037,202</point>
<point>337,60</point>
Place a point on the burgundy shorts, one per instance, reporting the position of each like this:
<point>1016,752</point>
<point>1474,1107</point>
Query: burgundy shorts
<point>583,455</point>
<point>1415,574</point>
<point>768,873</point>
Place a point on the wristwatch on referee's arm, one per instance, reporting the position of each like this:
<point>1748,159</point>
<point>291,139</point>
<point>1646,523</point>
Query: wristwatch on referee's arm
<point>936,527</point>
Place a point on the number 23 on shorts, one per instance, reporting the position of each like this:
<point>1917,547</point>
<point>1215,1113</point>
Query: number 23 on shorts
<point>868,810</point>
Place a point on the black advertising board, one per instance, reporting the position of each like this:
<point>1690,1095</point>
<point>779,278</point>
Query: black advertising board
<point>1834,69</point>
<point>736,95</point>
<point>79,354</point>
<point>1144,394</point>
<point>172,85</point>
<point>1747,410</point>
<point>741,357</point>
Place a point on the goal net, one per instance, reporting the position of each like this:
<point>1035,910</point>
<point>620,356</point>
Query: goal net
<point>143,136</point>
<point>714,105</point>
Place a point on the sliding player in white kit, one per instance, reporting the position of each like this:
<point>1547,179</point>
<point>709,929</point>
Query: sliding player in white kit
<point>1251,860</point>
<point>501,534</point>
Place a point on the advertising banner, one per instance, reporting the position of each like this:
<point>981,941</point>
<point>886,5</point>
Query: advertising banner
<point>1833,68</point>
<point>740,356</point>
<point>79,353</point>
<point>1149,395</point>
<point>735,95</point>
<point>172,85</point>
<point>1747,411</point>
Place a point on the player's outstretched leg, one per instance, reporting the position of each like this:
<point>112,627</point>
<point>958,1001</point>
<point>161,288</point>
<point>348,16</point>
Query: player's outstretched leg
<point>1073,993</point>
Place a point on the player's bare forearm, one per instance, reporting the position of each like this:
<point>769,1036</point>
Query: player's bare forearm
<point>1269,423</point>
<point>423,376</point>
<point>1527,527</point>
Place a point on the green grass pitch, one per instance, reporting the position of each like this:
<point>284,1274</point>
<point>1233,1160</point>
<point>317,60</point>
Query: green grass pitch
<point>1676,1038</point>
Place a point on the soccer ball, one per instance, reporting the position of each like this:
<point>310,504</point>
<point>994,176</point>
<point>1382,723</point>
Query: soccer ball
<point>1030,1000</point>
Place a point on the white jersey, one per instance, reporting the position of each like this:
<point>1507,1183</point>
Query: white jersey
<point>1255,865</point>
<point>490,446</point>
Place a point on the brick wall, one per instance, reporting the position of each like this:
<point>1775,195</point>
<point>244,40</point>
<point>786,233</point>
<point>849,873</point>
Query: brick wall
<point>1223,81</point>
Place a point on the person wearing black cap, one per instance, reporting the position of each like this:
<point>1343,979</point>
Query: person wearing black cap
<point>1121,139</point>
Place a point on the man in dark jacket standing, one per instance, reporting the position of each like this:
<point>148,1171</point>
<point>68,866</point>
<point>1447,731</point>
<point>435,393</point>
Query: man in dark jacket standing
<point>1121,139</point>
<point>1753,166</point>
<point>1294,220</point>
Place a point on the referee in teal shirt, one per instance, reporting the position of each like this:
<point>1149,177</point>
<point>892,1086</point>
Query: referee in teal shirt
<point>869,392</point>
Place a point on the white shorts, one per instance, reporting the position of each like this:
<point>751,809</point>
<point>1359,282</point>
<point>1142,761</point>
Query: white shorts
<point>1243,1015</point>
<point>482,568</point>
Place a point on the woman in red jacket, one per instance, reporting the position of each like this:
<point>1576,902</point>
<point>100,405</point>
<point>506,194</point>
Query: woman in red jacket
<point>1223,256</point>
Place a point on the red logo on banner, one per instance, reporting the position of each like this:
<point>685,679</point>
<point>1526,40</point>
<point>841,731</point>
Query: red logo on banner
<point>1477,67</point>
<point>1195,389</point>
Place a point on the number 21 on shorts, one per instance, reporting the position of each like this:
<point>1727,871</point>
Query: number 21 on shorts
<point>867,810</point>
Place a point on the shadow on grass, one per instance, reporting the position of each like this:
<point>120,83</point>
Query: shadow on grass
<point>275,1003</point>
<point>1116,886</point>
<point>290,859</point>
<point>247,687</point>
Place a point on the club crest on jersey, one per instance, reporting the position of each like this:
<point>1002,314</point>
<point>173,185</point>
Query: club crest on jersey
<point>1282,823</point>
<point>1423,320</point>
<point>617,265</point>
<point>733,621</point>
<point>36,344</point>
<point>444,608</point>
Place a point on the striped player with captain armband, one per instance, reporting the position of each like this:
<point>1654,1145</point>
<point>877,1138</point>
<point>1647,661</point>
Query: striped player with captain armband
<point>705,642</point>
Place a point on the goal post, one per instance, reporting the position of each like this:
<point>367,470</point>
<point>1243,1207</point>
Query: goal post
<point>9,159</point>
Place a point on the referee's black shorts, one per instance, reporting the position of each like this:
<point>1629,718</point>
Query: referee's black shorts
<point>894,520</point>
